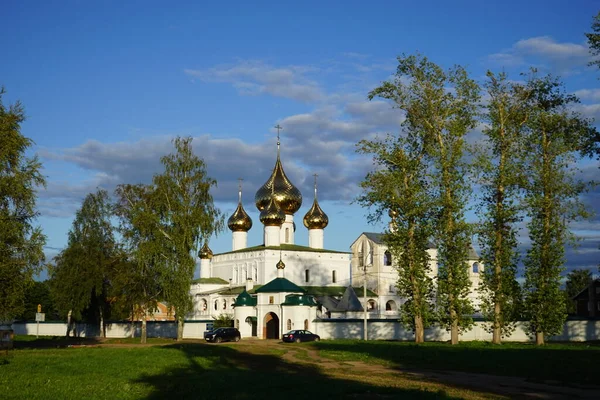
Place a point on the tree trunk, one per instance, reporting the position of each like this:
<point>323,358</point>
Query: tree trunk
<point>497,334</point>
<point>454,330</point>
<point>102,327</point>
<point>539,338</point>
<point>144,335</point>
<point>179,329</point>
<point>419,330</point>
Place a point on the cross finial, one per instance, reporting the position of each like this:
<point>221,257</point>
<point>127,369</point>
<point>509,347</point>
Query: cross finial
<point>279,128</point>
<point>240,189</point>
<point>315,175</point>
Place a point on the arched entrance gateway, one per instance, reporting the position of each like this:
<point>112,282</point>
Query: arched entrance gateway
<point>271,326</point>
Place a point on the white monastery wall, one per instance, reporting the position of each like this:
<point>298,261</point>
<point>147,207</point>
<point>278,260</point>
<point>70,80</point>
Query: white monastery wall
<point>574,330</point>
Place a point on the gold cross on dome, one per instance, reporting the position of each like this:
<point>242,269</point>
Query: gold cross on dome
<point>279,128</point>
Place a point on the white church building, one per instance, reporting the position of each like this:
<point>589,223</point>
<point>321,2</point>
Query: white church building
<point>271,288</point>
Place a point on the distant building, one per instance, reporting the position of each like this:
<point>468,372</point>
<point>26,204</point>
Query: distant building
<point>588,300</point>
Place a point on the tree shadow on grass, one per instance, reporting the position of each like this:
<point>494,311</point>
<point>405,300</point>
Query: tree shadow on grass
<point>539,364</point>
<point>53,342</point>
<point>221,372</point>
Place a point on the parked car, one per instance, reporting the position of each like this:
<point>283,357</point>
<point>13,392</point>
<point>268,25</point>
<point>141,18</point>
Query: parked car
<point>222,335</point>
<point>300,336</point>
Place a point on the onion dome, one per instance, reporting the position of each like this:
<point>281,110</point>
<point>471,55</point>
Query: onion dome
<point>239,220</point>
<point>315,218</point>
<point>272,215</point>
<point>205,252</point>
<point>280,264</point>
<point>392,213</point>
<point>287,196</point>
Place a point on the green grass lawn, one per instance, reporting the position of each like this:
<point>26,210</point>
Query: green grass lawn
<point>566,363</point>
<point>180,370</point>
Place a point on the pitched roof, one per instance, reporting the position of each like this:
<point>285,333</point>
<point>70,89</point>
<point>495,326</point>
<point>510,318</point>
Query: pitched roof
<point>279,285</point>
<point>349,301</point>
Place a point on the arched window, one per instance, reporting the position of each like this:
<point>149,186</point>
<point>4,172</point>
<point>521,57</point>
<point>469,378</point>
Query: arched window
<point>224,304</point>
<point>371,305</point>
<point>287,235</point>
<point>203,305</point>
<point>255,273</point>
<point>333,277</point>
<point>232,303</point>
<point>306,324</point>
<point>387,258</point>
<point>289,324</point>
<point>475,268</point>
<point>391,306</point>
<point>245,271</point>
<point>369,254</point>
<point>216,304</point>
<point>306,275</point>
<point>361,255</point>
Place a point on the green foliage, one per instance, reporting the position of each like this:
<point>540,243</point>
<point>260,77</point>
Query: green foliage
<point>39,293</point>
<point>162,225</point>
<point>81,279</point>
<point>223,321</point>
<point>443,109</point>
<point>399,188</point>
<point>500,168</point>
<point>21,243</point>
<point>577,280</point>
<point>187,216</point>
<point>594,39</point>
<point>555,137</point>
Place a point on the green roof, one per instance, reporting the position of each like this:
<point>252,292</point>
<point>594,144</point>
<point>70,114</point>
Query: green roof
<point>217,281</point>
<point>299,300</point>
<point>284,247</point>
<point>245,300</point>
<point>335,291</point>
<point>278,285</point>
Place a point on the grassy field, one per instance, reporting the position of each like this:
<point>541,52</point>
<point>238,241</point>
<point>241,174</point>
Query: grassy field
<point>566,363</point>
<point>56,368</point>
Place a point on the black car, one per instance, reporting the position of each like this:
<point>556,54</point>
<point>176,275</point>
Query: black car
<point>222,335</point>
<point>300,336</point>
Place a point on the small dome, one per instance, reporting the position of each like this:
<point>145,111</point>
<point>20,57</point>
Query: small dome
<point>287,196</point>
<point>280,264</point>
<point>272,215</point>
<point>245,300</point>
<point>239,220</point>
<point>315,218</point>
<point>205,252</point>
<point>392,213</point>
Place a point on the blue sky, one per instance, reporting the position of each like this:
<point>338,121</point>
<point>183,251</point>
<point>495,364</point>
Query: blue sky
<point>106,85</point>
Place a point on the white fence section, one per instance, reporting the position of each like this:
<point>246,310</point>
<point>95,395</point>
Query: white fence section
<point>574,330</point>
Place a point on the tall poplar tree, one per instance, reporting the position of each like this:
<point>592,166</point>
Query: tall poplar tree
<point>556,137</point>
<point>397,187</point>
<point>21,242</point>
<point>443,108</point>
<point>500,166</point>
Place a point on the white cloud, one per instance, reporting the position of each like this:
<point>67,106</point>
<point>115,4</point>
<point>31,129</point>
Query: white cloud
<point>256,77</point>
<point>543,51</point>
<point>588,94</point>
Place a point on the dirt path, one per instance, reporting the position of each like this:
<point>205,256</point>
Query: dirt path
<point>486,385</point>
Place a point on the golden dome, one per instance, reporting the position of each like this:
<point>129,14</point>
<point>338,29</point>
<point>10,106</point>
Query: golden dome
<point>272,215</point>
<point>280,265</point>
<point>315,218</point>
<point>287,196</point>
<point>205,252</point>
<point>239,220</point>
